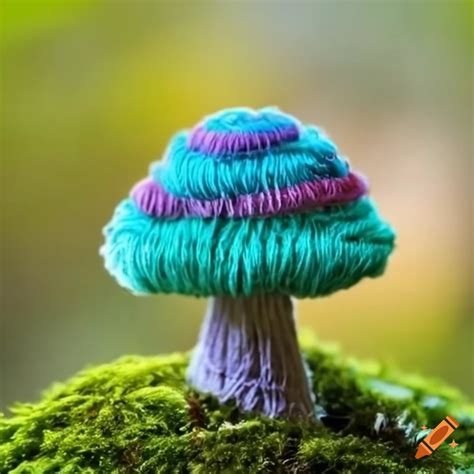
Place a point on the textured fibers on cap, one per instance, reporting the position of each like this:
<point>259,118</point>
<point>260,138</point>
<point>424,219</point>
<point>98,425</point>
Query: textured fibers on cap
<point>306,254</point>
<point>188,173</point>
<point>247,202</point>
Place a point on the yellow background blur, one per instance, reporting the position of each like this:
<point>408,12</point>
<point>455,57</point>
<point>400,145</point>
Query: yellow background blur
<point>92,91</point>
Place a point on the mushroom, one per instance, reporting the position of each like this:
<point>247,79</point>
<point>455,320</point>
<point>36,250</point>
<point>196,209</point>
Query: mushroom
<point>250,207</point>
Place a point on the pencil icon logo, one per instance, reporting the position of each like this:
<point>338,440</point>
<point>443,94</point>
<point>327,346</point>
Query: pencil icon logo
<point>436,437</point>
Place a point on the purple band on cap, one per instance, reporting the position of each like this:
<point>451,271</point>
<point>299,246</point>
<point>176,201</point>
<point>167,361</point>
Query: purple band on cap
<point>153,200</point>
<point>219,142</point>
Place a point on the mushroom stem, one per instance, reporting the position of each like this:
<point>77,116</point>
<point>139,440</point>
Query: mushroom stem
<point>248,352</point>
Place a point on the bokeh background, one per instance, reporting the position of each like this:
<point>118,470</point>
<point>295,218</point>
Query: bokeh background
<point>92,90</point>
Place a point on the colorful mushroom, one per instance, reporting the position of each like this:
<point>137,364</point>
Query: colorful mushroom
<point>250,207</point>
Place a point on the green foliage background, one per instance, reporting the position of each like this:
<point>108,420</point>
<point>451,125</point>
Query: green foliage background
<point>92,90</point>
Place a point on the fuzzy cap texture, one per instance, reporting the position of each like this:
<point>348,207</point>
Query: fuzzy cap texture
<point>138,415</point>
<point>248,201</point>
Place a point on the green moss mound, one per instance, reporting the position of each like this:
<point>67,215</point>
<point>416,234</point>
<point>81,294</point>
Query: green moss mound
<point>139,415</point>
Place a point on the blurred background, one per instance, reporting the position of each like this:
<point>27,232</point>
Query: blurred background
<point>91,91</point>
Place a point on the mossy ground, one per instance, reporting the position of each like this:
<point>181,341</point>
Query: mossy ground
<point>139,415</point>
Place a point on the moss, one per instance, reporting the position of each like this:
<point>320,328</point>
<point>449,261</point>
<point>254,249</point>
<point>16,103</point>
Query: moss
<point>138,415</point>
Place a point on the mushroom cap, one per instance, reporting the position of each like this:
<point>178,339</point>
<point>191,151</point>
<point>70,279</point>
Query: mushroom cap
<point>247,202</point>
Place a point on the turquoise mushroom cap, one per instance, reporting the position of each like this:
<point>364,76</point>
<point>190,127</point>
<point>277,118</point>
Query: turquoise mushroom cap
<point>247,202</point>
